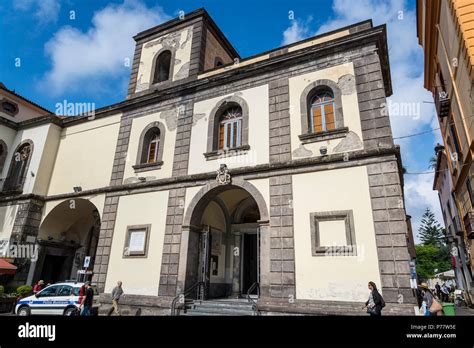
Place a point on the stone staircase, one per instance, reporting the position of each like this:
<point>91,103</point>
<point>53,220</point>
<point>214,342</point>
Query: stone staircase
<point>219,307</point>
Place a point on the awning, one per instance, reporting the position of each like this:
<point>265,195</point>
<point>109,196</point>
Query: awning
<point>6,267</point>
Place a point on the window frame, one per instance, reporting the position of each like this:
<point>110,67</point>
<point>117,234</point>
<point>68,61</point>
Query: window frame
<point>348,217</point>
<point>129,232</point>
<point>228,124</point>
<point>155,66</point>
<point>22,179</point>
<point>307,129</point>
<point>143,149</point>
<point>321,105</point>
<point>9,113</point>
<point>213,151</point>
<point>3,155</point>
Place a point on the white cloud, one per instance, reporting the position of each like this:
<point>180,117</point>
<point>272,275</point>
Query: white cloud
<point>45,11</point>
<point>419,188</point>
<point>296,32</point>
<point>406,62</point>
<point>88,59</point>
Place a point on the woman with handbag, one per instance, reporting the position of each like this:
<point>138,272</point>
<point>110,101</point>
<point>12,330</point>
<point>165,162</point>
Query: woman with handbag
<point>433,307</point>
<point>375,303</point>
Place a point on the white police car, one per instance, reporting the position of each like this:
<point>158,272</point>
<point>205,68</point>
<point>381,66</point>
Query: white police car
<point>56,299</point>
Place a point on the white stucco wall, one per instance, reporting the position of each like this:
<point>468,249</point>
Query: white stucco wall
<point>140,276</point>
<point>350,108</point>
<point>181,43</point>
<point>335,278</point>
<point>138,125</point>
<point>47,161</point>
<point>7,218</point>
<point>257,100</point>
<point>85,156</point>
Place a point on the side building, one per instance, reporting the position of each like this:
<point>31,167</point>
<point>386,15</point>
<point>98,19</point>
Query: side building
<point>446,33</point>
<point>274,175</point>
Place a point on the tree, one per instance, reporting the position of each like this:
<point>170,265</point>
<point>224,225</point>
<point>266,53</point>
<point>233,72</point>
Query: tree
<point>433,254</point>
<point>430,231</point>
<point>430,258</point>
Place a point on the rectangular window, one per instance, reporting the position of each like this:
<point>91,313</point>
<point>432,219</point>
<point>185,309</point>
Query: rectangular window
<point>333,234</point>
<point>469,191</point>
<point>324,118</point>
<point>454,136</point>
<point>136,241</point>
<point>317,120</point>
<point>329,115</point>
<point>232,134</point>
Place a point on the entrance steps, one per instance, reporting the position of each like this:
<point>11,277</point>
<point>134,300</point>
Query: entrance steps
<point>219,307</point>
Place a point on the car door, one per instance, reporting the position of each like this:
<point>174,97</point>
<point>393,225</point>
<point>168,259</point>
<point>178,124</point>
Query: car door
<point>43,303</point>
<point>63,298</point>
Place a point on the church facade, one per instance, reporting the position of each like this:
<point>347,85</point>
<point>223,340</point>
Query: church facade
<point>274,175</point>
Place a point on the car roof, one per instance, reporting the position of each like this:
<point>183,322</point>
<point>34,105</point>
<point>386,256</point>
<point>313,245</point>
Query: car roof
<point>72,283</point>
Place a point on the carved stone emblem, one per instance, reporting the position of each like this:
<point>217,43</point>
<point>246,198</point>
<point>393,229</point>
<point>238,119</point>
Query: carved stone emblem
<point>223,175</point>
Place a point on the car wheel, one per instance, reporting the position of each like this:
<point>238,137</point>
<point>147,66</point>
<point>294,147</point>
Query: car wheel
<point>71,311</point>
<point>24,311</point>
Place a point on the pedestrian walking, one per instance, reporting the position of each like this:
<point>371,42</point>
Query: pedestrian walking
<point>116,293</point>
<point>375,303</point>
<point>444,293</point>
<point>433,307</point>
<point>438,289</point>
<point>38,286</point>
<point>86,305</point>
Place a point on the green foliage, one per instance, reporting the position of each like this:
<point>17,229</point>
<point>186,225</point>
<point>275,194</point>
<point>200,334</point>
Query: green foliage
<point>24,290</point>
<point>2,290</point>
<point>430,231</point>
<point>432,254</point>
<point>430,258</point>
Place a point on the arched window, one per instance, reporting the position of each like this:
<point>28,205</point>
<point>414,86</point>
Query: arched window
<point>18,168</point>
<point>162,67</point>
<point>230,128</point>
<point>3,154</point>
<point>152,146</point>
<point>150,149</point>
<point>322,112</point>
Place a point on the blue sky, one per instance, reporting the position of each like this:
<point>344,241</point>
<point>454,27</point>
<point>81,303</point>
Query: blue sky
<point>50,54</point>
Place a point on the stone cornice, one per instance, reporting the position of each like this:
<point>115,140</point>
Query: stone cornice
<point>330,162</point>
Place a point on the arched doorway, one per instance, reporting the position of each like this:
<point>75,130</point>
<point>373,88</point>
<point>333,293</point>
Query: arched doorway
<point>68,234</point>
<point>223,248</point>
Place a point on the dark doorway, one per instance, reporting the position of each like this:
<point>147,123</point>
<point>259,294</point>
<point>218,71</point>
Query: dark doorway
<point>53,267</point>
<point>250,263</point>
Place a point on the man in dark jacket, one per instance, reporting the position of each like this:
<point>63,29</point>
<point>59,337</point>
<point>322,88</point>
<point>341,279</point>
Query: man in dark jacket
<point>88,300</point>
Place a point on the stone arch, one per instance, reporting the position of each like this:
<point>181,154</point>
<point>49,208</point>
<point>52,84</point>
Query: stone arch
<point>203,197</point>
<point>309,92</point>
<point>221,106</point>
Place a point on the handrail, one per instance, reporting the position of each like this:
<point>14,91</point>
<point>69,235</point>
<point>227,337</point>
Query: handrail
<point>254,286</point>
<point>186,293</point>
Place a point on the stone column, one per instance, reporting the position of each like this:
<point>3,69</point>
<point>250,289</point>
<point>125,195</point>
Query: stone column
<point>236,264</point>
